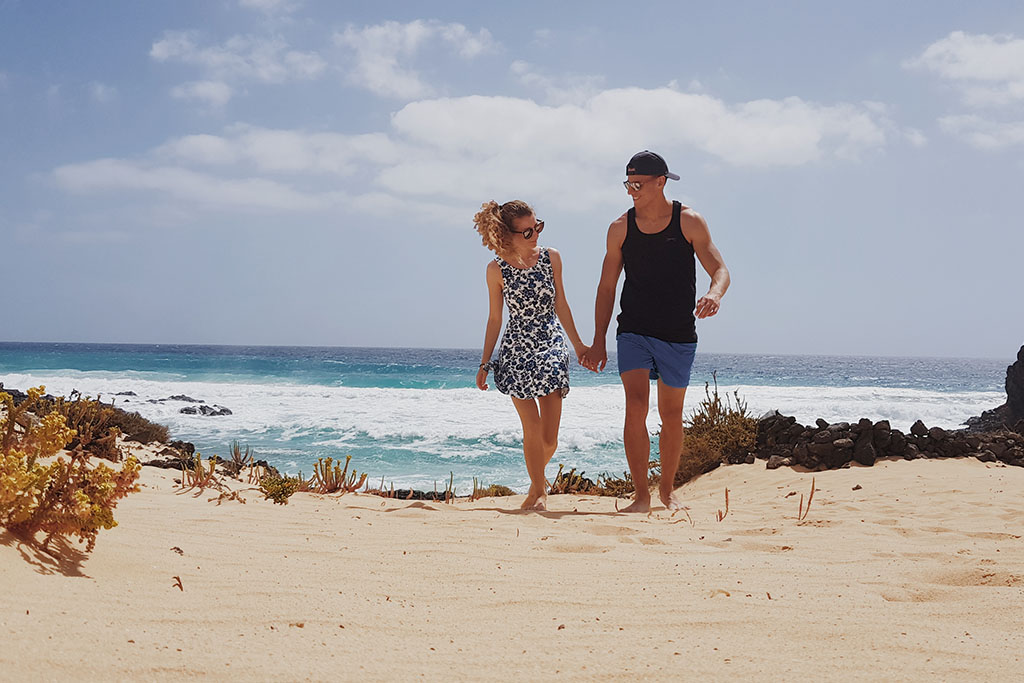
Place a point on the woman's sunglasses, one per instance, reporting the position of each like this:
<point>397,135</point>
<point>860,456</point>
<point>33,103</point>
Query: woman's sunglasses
<point>528,233</point>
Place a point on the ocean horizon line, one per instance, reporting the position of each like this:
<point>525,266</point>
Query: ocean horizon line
<point>611,351</point>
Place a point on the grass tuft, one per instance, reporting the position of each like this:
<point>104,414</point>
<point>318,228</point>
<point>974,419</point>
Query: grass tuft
<point>716,432</point>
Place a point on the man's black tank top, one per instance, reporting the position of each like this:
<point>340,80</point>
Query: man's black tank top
<point>660,291</point>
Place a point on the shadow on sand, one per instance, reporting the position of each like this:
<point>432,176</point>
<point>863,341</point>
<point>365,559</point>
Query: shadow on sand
<point>59,558</point>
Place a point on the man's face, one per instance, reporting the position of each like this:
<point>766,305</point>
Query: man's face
<point>642,186</point>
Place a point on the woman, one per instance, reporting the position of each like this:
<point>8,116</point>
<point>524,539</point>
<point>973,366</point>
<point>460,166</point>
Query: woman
<point>533,364</point>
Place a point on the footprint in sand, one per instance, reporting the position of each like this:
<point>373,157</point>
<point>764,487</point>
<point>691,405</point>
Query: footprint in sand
<point>651,541</point>
<point>911,595</point>
<point>978,577</point>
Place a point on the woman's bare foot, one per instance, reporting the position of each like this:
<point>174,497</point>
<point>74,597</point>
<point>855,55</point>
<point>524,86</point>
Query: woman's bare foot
<point>671,501</point>
<point>638,505</point>
<point>535,501</point>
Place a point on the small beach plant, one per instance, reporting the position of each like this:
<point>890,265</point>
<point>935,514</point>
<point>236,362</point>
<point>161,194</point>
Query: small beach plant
<point>91,421</point>
<point>195,475</point>
<point>64,498</point>
<point>279,488</point>
<point>716,431</point>
<point>570,482</point>
<point>239,459</point>
<point>331,478</point>
<point>492,491</point>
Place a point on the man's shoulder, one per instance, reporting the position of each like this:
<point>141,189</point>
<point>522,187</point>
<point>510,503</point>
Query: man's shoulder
<point>689,214</point>
<point>620,222</point>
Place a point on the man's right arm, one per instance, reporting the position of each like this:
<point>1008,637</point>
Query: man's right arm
<point>597,357</point>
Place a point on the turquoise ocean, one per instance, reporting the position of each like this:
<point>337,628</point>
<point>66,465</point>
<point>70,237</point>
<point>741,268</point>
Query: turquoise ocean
<point>412,416</point>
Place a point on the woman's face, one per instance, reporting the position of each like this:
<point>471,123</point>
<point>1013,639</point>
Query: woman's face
<point>527,229</point>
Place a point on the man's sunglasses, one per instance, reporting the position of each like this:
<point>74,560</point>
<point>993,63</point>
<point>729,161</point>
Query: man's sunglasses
<point>635,185</point>
<point>528,233</point>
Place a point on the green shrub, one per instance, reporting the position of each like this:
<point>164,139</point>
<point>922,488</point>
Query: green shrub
<point>493,491</point>
<point>91,421</point>
<point>570,482</point>
<point>717,431</point>
<point>331,478</point>
<point>65,498</point>
<point>619,487</point>
<point>279,488</point>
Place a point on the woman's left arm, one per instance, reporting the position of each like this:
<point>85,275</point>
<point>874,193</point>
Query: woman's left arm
<point>562,305</point>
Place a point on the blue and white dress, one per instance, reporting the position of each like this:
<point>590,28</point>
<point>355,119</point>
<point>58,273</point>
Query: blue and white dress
<point>533,360</point>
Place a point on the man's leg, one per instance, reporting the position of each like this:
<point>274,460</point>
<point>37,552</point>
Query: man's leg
<point>636,439</point>
<point>670,444</point>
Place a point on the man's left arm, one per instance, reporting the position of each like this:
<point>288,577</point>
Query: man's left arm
<point>695,229</point>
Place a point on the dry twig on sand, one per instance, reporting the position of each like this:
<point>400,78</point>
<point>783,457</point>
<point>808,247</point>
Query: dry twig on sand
<point>801,514</point>
<point>722,515</point>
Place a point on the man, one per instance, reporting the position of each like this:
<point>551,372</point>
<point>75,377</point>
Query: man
<point>655,242</point>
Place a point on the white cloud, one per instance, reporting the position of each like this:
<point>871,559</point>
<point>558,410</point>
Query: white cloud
<point>758,133</point>
<point>984,133</point>
<point>915,137</point>
<point>102,93</point>
<point>988,69</point>
<point>213,93</point>
<point>382,50</point>
<point>455,152</point>
<point>284,151</point>
<point>566,89</point>
<point>270,6</point>
<point>241,58</point>
<point>253,194</point>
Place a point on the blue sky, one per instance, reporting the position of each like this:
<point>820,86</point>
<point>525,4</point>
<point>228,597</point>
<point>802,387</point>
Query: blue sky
<point>306,172</point>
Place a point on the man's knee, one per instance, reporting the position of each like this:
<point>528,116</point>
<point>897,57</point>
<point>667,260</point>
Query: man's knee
<point>672,419</point>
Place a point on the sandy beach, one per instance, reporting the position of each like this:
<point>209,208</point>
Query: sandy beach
<point>906,570</point>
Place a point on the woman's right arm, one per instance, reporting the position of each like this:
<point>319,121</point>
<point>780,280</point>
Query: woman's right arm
<point>494,316</point>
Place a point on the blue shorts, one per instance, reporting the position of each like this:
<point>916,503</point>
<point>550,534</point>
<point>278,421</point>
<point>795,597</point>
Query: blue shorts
<point>671,361</point>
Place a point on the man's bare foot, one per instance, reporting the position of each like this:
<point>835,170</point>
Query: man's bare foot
<point>638,506</point>
<point>671,501</point>
<point>535,501</point>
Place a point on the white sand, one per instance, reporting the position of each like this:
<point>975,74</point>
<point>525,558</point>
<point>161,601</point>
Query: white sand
<point>918,574</point>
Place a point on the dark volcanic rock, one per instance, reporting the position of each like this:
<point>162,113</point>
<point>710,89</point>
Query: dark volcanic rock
<point>864,450</point>
<point>824,436</point>
<point>777,461</point>
<point>186,447</point>
<point>918,429</point>
<point>1010,412</point>
<point>209,411</point>
<point>1015,387</point>
<point>126,393</point>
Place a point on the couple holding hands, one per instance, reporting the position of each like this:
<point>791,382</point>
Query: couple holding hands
<point>656,243</point>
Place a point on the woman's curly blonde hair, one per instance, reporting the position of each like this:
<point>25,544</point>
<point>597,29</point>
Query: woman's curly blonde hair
<point>494,223</point>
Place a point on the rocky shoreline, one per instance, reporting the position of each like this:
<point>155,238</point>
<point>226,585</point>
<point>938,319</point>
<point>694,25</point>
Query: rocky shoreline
<point>996,435</point>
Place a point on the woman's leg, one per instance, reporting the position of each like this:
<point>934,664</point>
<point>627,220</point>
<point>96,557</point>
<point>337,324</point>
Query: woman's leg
<point>534,452</point>
<point>550,419</point>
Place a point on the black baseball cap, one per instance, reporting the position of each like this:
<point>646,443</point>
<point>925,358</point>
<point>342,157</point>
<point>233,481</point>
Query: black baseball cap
<point>649,163</point>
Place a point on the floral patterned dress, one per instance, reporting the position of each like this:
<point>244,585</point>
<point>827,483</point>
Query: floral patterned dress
<point>533,360</point>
